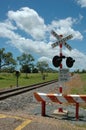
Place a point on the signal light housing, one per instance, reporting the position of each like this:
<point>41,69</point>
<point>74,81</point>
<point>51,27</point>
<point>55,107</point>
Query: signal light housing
<point>69,62</point>
<point>56,61</point>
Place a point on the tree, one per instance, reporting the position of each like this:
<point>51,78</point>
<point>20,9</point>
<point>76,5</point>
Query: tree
<point>25,69</point>
<point>42,66</point>
<point>25,60</point>
<point>6,59</point>
<point>35,70</point>
<point>8,69</point>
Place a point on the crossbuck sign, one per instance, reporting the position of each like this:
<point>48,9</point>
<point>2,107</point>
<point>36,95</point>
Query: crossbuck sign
<point>61,40</point>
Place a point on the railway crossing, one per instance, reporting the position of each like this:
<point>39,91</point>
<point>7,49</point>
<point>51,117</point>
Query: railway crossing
<point>57,62</point>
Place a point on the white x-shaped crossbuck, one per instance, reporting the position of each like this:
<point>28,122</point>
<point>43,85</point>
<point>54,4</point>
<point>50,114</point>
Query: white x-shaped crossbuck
<point>61,40</point>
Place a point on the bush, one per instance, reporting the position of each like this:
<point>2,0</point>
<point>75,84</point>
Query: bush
<point>35,70</point>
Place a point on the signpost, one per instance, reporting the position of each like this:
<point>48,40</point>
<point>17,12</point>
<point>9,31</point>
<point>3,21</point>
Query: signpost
<point>17,74</point>
<point>63,76</point>
<point>63,73</point>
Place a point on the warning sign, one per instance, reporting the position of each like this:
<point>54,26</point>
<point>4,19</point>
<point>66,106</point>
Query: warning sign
<point>63,75</point>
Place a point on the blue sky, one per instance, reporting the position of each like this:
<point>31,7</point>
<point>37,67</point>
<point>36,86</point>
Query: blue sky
<point>25,26</point>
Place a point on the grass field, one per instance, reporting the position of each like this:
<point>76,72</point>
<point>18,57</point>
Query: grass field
<point>76,85</point>
<point>9,80</point>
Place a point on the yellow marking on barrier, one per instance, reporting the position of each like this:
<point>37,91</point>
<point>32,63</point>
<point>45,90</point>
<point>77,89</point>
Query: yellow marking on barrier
<point>24,124</point>
<point>20,127</point>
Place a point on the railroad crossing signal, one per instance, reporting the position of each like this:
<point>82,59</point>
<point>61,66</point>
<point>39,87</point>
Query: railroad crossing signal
<point>57,61</point>
<point>69,62</point>
<point>61,40</point>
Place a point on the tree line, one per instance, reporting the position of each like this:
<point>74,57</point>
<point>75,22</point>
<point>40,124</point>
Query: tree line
<point>25,61</point>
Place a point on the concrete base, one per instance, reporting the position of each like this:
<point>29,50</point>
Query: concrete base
<point>64,112</point>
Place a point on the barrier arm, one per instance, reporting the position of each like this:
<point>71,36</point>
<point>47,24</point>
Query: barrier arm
<point>59,98</point>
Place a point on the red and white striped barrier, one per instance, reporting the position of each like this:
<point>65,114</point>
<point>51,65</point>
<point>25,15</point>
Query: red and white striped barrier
<point>59,98</point>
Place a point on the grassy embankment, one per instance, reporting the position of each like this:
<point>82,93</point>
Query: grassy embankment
<point>8,80</point>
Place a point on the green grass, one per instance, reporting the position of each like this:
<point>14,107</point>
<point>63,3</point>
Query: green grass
<point>7,80</point>
<point>83,76</point>
<point>82,89</point>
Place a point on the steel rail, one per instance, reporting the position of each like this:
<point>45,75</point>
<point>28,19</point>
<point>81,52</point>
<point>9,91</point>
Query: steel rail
<point>16,91</point>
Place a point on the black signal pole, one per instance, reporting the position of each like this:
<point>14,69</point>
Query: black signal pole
<point>17,78</point>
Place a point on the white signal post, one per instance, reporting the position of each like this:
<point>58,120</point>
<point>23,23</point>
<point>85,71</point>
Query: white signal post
<point>60,87</point>
<point>60,46</point>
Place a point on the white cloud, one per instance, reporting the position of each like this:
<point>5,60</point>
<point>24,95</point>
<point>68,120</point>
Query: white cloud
<point>43,58</point>
<point>65,27</point>
<point>27,20</point>
<point>82,3</point>
<point>6,29</point>
<point>79,57</point>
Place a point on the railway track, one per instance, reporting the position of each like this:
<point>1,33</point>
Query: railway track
<point>16,91</point>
